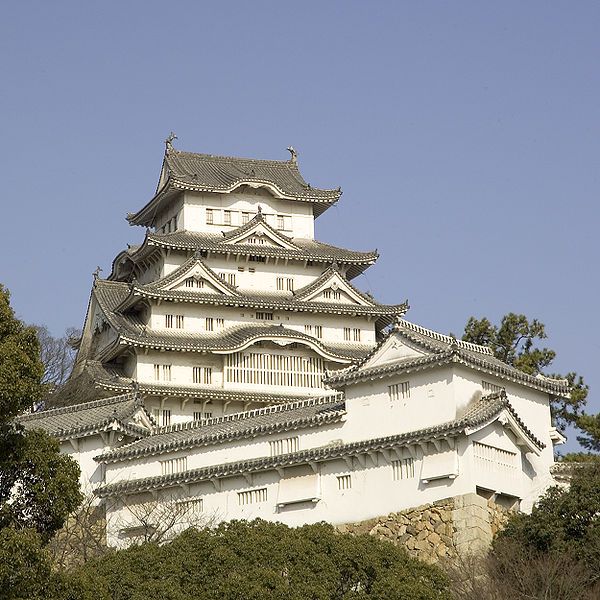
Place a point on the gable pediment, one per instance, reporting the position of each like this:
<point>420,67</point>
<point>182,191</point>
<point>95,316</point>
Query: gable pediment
<point>197,277</point>
<point>260,234</point>
<point>333,288</point>
<point>395,349</point>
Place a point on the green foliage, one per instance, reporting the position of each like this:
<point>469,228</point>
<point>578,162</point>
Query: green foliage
<point>590,427</point>
<point>263,561</point>
<point>514,342</point>
<point>21,369</point>
<point>563,523</point>
<point>24,565</point>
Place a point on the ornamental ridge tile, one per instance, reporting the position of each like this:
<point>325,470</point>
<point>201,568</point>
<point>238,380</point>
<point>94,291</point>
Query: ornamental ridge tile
<point>484,410</point>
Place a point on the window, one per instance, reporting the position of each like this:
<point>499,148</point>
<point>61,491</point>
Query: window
<point>264,316</point>
<point>347,332</point>
<point>290,285</point>
<point>245,218</point>
<point>241,269</point>
<point>260,259</point>
<point>189,506</point>
<point>403,469</point>
<point>220,323</point>
<point>179,321</point>
<point>491,388</point>
<point>274,369</point>
<point>210,216</point>
<point>199,416</point>
<point>227,217</point>
<point>173,465</point>
<point>162,372</point>
<point>168,320</point>
<point>162,416</point>
<point>356,334</point>
<point>251,270</point>
<point>280,283</point>
<point>318,331</point>
<point>344,482</point>
<point>284,446</point>
<point>329,294</point>
<point>209,324</point>
<point>252,497</point>
<point>399,391</point>
<point>308,329</point>
<point>489,458</point>
<point>231,278</point>
<point>193,282</point>
<point>202,374</point>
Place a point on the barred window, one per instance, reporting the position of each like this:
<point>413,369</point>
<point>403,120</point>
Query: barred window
<point>209,324</point>
<point>356,334</point>
<point>202,375</point>
<point>227,217</point>
<point>252,496</point>
<point>280,222</point>
<point>162,372</point>
<point>347,334</point>
<point>319,331</point>
<point>162,416</point>
<point>245,218</point>
<point>399,391</point>
<point>491,388</point>
<point>168,320</point>
<point>285,446</point>
<point>173,465</point>
<point>264,316</point>
<point>344,482</point>
<point>179,321</point>
<point>403,469</point>
<point>210,216</point>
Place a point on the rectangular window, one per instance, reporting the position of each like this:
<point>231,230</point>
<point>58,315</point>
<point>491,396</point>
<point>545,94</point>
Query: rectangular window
<point>227,217</point>
<point>403,469</point>
<point>344,482</point>
<point>347,334</point>
<point>280,222</point>
<point>491,388</point>
<point>210,216</point>
<point>356,334</point>
<point>168,320</point>
<point>490,458</point>
<point>252,497</point>
<point>318,331</point>
<point>162,417</point>
<point>399,391</point>
<point>260,259</point>
<point>245,218</point>
<point>156,372</point>
<point>231,278</point>
<point>179,321</point>
<point>241,269</point>
<point>173,465</point>
<point>285,446</point>
<point>308,329</point>
<point>280,283</point>
<point>209,324</point>
<point>264,316</point>
<point>202,375</point>
<point>251,270</point>
<point>189,507</point>
<point>290,285</point>
<point>220,324</point>
<point>193,282</point>
<point>162,372</point>
<point>199,416</point>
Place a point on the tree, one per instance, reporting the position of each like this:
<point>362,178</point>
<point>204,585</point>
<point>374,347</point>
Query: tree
<point>514,342</point>
<point>39,486</point>
<point>264,561</point>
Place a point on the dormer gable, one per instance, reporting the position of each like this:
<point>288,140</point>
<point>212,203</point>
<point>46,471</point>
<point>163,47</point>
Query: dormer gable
<point>332,287</point>
<point>394,348</point>
<point>259,232</point>
<point>194,276</point>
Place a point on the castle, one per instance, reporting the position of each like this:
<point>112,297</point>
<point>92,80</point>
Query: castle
<point>239,371</point>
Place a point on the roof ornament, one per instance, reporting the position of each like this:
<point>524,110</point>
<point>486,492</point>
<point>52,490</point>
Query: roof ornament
<point>198,254</point>
<point>294,154</point>
<point>169,141</point>
<point>97,272</point>
<point>335,266</point>
<point>259,209</point>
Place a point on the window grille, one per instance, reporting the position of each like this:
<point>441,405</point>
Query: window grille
<point>179,321</point>
<point>347,333</point>
<point>274,369</point>
<point>210,217</point>
<point>227,217</point>
<point>356,334</point>
<point>168,320</point>
<point>220,323</point>
<point>490,458</point>
<point>344,482</point>
<point>231,278</point>
<point>173,465</point>
<point>403,469</point>
<point>285,446</point>
<point>308,329</point>
<point>259,259</point>
<point>280,283</point>
<point>280,222</point>
<point>189,506</point>
<point>162,372</point>
<point>252,497</point>
<point>319,331</point>
<point>290,284</point>
<point>209,324</point>
<point>162,417</point>
<point>245,218</point>
<point>202,375</point>
<point>264,316</point>
<point>399,391</point>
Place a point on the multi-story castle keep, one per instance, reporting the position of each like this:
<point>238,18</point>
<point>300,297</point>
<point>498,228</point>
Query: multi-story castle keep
<point>249,376</point>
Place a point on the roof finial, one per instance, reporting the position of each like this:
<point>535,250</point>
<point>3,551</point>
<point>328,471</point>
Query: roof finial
<point>169,141</point>
<point>292,151</point>
<point>97,272</point>
<point>259,209</point>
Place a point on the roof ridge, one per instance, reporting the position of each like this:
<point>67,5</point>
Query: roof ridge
<point>266,410</point>
<point>226,157</point>
<point>77,407</point>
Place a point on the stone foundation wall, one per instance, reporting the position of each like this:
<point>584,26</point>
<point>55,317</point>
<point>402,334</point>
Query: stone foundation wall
<point>444,529</point>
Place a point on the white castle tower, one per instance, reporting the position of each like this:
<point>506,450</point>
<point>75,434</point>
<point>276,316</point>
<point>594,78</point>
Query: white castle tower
<point>229,303</point>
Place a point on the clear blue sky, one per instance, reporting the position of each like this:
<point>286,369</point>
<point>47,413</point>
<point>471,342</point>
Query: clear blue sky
<point>465,135</point>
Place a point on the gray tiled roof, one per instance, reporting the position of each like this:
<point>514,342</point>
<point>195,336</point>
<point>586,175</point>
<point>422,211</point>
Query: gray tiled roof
<point>271,419</point>
<point>206,172</point>
<point>132,331</point>
<point>481,412</point>
<point>441,350</point>
<point>87,418</point>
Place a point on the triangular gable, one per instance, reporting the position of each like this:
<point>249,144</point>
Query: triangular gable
<point>333,288</point>
<point>395,348</point>
<point>195,276</point>
<point>259,232</point>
